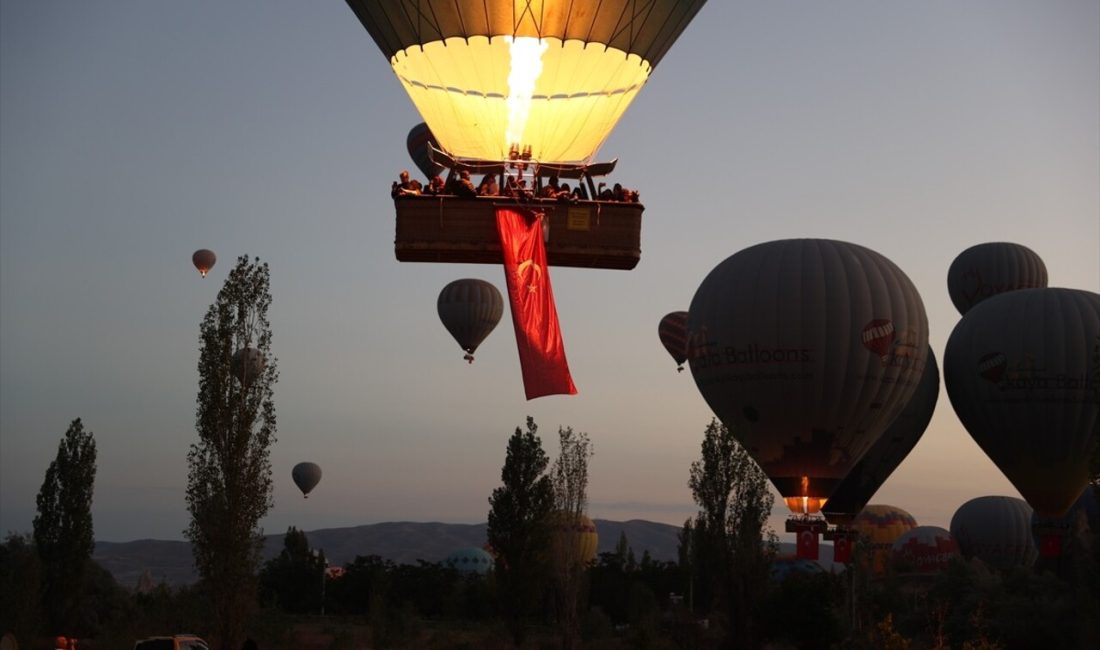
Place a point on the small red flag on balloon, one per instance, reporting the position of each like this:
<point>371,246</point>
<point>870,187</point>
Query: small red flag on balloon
<point>1050,545</point>
<point>842,550</point>
<point>538,334</point>
<point>807,544</point>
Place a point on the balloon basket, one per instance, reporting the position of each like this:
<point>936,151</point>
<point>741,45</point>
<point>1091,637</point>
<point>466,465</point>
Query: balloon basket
<point>584,234</point>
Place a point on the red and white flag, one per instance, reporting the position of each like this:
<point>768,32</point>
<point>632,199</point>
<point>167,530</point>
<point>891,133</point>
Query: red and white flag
<point>806,547</point>
<point>538,335</point>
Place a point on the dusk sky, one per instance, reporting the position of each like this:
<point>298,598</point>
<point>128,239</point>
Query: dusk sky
<point>133,132</point>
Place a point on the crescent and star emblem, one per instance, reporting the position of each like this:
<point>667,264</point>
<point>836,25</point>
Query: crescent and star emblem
<point>523,266</point>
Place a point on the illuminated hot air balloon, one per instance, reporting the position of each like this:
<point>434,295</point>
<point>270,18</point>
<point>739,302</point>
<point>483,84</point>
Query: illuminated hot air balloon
<point>470,309</point>
<point>306,476</point>
<point>1021,372</point>
<point>247,364</point>
<point>986,270</point>
<point>576,537</point>
<point>868,475</point>
<point>881,526</point>
<point>532,86</point>
<point>995,530</point>
<point>672,331</point>
<point>472,560</point>
<point>807,349</point>
<point>203,260</point>
<point>418,143</point>
<point>924,549</point>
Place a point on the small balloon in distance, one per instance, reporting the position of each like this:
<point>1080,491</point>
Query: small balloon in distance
<point>204,260</point>
<point>470,309</point>
<point>672,331</point>
<point>306,476</point>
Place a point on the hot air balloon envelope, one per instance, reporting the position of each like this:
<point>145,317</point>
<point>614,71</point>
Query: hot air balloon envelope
<point>203,260</point>
<point>807,349</point>
<point>882,525</point>
<point>472,560</point>
<point>996,530</point>
<point>306,476</point>
<point>672,330</point>
<point>924,549</point>
<point>986,270</point>
<point>470,309</point>
<point>247,364</point>
<point>1021,372</point>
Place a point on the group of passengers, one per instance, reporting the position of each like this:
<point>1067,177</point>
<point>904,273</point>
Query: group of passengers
<point>516,188</point>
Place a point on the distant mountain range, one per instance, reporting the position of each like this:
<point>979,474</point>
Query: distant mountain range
<point>402,542</point>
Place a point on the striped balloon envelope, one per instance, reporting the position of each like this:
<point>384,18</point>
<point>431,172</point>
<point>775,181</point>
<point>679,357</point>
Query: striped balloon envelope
<point>995,530</point>
<point>674,336</point>
<point>881,526</point>
<point>470,309</point>
<point>986,270</point>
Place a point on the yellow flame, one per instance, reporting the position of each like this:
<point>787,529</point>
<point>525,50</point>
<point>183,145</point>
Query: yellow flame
<point>526,53</point>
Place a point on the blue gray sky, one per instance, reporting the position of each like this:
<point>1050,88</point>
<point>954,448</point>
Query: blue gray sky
<point>133,132</point>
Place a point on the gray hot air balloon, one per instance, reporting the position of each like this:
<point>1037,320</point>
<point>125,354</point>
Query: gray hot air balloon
<point>996,530</point>
<point>247,364</point>
<point>989,269</point>
<point>868,475</point>
<point>470,309</point>
<point>807,349</point>
<point>1021,372</point>
<point>204,260</point>
<point>306,476</point>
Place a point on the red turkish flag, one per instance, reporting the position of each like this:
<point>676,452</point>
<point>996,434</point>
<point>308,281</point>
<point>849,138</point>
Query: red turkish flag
<point>842,550</point>
<point>1050,545</point>
<point>807,544</point>
<point>538,335</point>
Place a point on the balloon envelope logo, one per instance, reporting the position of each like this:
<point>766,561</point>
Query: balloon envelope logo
<point>878,336</point>
<point>992,366</point>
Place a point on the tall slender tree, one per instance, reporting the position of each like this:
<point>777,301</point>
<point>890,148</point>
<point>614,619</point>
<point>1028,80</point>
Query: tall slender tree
<point>570,481</point>
<point>731,542</point>
<point>518,532</point>
<point>63,532</point>
<point>229,486</point>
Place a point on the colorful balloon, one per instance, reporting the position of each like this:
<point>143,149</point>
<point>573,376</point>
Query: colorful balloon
<point>807,349</point>
<point>306,476</point>
<point>924,550</point>
<point>575,536</point>
<point>986,270</point>
<point>203,260</point>
<point>418,141</point>
<point>868,475</point>
<point>995,530</point>
<point>881,526</point>
<point>551,78</point>
<point>1021,372</point>
<point>672,331</point>
<point>470,309</point>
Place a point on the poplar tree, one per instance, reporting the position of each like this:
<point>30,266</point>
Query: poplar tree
<point>63,532</point>
<point>570,481</point>
<point>229,487</point>
<point>518,532</point>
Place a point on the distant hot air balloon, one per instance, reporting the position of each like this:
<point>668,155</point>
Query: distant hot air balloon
<point>785,566</point>
<point>986,270</point>
<point>306,476</point>
<point>203,260</point>
<point>550,77</point>
<point>924,549</point>
<point>472,560</point>
<point>673,333</point>
<point>575,537</point>
<point>868,475</point>
<point>1082,518</point>
<point>470,309</point>
<point>882,525</point>
<point>996,530</point>
<point>807,349</point>
<point>419,140</point>
<point>1021,372</point>
<point>247,364</point>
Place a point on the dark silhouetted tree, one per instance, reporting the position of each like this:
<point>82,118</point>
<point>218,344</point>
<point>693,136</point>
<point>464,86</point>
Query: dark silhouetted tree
<point>292,581</point>
<point>20,585</point>
<point>732,544</point>
<point>570,481</point>
<point>63,533</point>
<point>518,532</point>
<point>229,478</point>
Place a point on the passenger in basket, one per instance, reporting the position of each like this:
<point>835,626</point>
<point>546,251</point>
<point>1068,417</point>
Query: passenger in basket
<point>406,186</point>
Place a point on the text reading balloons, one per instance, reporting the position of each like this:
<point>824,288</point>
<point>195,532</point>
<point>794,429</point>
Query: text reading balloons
<point>470,309</point>
<point>672,331</point>
<point>1021,372</point>
<point>868,475</point>
<point>306,476</point>
<point>996,530</point>
<point>203,260</point>
<point>247,364</point>
<point>986,270</point>
<point>417,143</point>
<point>551,77</point>
<point>807,349</point>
